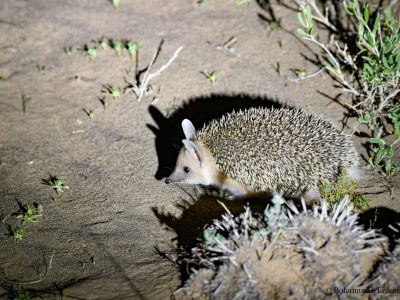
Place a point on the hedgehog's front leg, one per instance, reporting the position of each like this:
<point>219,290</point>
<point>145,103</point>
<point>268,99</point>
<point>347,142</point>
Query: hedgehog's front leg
<point>235,188</point>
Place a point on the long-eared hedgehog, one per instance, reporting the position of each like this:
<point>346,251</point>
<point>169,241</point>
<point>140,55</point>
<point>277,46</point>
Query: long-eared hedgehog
<point>264,150</point>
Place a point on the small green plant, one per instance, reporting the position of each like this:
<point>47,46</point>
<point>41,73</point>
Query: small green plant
<point>89,113</point>
<point>17,233</point>
<point>41,68</point>
<point>103,43</point>
<point>273,26</point>
<point>69,50</point>
<point>21,294</point>
<point>29,214</point>
<point>55,183</point>
<point>300,73</point>
<point>242,2</point>
<point>212,76</point>
<point>91,52</point>
<point>133,48</point>
<point>382,156</point>
<point>114,91</point>
<point>333,193</point>
<point>116,3</point>
<point>2,77</point>
<point>370,73</point>
<point>360,202</point>
<point>117,46</point>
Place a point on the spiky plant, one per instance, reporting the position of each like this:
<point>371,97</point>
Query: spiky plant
<point>291,253</point>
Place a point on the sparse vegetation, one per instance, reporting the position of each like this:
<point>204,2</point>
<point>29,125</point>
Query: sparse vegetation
<point>91,52</point>
<point>19,293</point>
<point>41,68</point>
<point>142,85</point>
<point>117,46</point>
<point>370,74</point>
<point>116,3</point>
<point>242,2</point>
<point>333,193</point>
<point>17,233</point>
<point>133,48</point>
<point>93,48</point>
<point>114,91</point>
<point>104,43</point>
<point>69,50</point>
<point>30,213</point>
<point>300,73</point>
<point>89,113</point>
<point>211,76</point>
<point>55,183</point>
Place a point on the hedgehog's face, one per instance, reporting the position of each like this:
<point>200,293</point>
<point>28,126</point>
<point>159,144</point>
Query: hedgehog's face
<point>190,166</point>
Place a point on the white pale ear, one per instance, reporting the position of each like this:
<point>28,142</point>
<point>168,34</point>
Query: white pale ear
<point>188,129</point>
<point>194,149</point>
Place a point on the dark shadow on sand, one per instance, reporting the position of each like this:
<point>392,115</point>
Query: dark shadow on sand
<point>198,212</point>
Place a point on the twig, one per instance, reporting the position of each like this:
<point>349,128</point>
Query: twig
<point>298,79</point>
<point>228,45</point>
<point>141,87</point>
<point>44,276</point>
<point>320,17</point>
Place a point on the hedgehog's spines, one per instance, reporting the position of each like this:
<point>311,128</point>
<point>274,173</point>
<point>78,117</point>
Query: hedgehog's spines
<point>277,149</point>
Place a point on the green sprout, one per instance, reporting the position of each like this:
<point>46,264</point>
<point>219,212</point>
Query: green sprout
<point>17,234</point>
<point>89,113</point>
<point>41,68</point>
<point>69,50</point>
<point>133,48</point>
<point>382,157</point>
<point>29,214</point>
<point>114,91</point>
<point>212,76</point>
<point>103,43</point>
<point>118,46</point>
<point>91,52</point>
<point>360,202</point>
<point>242,2</point>
<point>116,3</point>
<point>21,294</point>
<point>273,26</point>
<point>55,183</point>
<point>300,73</point>
<point>305,19</point>
<point>2,77</point>
<point>200,2</point>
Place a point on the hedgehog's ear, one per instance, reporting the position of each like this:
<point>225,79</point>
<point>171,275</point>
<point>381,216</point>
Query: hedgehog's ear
<point>194,149</point>
<point>188,129</point>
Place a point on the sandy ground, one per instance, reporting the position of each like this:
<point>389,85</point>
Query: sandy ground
<point>105,229</point>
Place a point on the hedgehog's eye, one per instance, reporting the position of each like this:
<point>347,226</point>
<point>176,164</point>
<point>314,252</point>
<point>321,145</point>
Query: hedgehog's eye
<point>186,169</point>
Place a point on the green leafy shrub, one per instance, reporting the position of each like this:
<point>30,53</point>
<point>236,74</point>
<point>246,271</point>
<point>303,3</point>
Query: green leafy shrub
<point>370,73</point>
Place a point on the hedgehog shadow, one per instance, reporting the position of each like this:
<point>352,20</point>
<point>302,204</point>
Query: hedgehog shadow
<point>200,110</point>
<point>384,220</point>
<point>197,213</point>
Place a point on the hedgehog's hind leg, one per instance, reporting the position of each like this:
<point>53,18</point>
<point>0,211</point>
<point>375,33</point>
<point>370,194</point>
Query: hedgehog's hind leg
<point>355,172</point>
<point>311,195</point>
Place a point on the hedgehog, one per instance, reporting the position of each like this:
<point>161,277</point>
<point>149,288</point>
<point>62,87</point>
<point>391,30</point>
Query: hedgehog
<point>264,150</point>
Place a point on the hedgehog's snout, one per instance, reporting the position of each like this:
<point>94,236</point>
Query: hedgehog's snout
<point>167,181</point>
